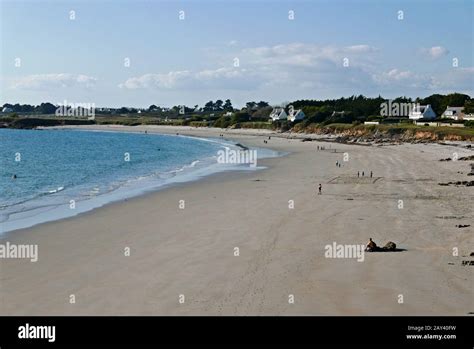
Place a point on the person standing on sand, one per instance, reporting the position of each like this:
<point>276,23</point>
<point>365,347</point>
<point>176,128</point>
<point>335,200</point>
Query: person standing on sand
<point>362,173</point>
<point>358,174</point>
<point>319,189</point>
<point>370,174</point>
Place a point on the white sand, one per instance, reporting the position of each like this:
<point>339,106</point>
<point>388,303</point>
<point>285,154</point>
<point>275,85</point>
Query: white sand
<point>190,252</point>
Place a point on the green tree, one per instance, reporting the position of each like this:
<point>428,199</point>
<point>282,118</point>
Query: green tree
<point>209,106</point>
<point>218,105</point>
<point>228,105</point>
<point>250,106</point>
<point>239,117</point>
<point>47,108</point>
<point>469,106</point>
<point>456,99</point>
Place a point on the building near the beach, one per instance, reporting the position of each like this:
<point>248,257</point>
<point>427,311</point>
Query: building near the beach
<point>468,117</point>
<point>295,115</point>
<point>338,113</point>
<point>7,110</point>
<point>455,113</point>
<point>278,114</point>
<point>422,112</point>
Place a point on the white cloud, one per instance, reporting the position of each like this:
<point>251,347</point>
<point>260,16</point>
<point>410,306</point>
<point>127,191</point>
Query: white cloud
<point>43,81</point>
<point>294,65</point>
<point>456,79</point>
<point>164,81</point>
<point>404,78</point>
<point>434,52</point>
<point>218,78</point>
<point>306,55</point>
<point>299,68</point>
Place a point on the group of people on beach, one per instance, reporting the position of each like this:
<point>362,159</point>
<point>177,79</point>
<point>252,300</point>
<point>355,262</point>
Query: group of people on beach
<point>363,174</point>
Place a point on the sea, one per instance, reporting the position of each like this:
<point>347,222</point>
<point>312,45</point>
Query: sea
<point>52,174</point>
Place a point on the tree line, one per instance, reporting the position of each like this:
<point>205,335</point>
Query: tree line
<point>350,109</point>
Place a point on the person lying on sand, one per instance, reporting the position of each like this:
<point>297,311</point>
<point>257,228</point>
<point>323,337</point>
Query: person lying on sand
<point>372,247</point>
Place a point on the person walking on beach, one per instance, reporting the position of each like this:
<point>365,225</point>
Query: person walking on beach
<point>337,163</point>
<point>319,189</point>
<point>358,174</point>
<point>370,174</point>
<point>362,173</point>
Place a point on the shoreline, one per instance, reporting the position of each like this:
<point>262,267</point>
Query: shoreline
<point>281,250</point>
<point>60,211</point>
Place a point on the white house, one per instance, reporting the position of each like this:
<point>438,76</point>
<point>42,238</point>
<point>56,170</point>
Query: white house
<point>337,113</point>
<point>455,113</point>
<point>422,112</point>
<point>278,114</point>
<point>7,110</point>
<point>468,117</point>
<point>295,115</point>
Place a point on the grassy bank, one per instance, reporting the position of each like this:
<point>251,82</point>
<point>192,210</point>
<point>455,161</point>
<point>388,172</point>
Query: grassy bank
<point>397,132</point>
<point>403,132</point>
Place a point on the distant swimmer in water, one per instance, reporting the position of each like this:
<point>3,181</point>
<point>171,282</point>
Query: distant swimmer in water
<point>14,176</point>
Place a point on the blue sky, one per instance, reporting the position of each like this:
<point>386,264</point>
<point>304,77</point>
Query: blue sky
<point>330,49</point>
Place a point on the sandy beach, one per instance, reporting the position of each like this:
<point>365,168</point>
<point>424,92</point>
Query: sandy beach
<point>184,262</point>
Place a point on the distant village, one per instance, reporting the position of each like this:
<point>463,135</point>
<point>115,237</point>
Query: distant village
<point>455,110</point>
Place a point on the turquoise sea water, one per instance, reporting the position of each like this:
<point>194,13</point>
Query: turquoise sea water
<point>60,173</point>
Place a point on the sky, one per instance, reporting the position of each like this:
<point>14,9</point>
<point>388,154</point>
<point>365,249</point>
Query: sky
<point>138,53</point>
